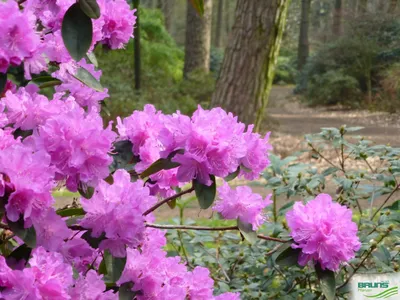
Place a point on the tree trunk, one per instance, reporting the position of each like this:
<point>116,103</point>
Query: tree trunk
<point>381,6</point>
<point>167,9</point>
<point>136,47</point>
<point>362,6</point>
<point>249,63</point>
<point>392,6</point>
<point>218,29</point>
<point>198,39</point>
<point>337,19</point>
<point>303,49</point>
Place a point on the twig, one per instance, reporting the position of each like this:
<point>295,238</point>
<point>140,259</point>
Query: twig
<point>268,238</point>
<point>183,227</point>
<point>384,202</point>
<point>324,158</point>
<point>151,209</point>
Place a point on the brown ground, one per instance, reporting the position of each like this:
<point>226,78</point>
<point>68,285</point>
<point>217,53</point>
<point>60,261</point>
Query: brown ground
<point>289,120</point>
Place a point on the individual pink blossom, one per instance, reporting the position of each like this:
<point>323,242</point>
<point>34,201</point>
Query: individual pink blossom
<point>78,253</point>
<point>91,286</point>
<point>117,210</point>
<point>85,96</point>
<point>78,145</point>
<point>241,203</point>
<point>7,138</point>
<point>119,21</point>
<point>228,296</point>
<point>3,116</point>
<point>51,230</point>
<point>200,284</point>
<point>324,232</point>
<point>32,177</point>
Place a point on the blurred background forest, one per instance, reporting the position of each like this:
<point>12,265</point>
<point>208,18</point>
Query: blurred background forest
<point>333,53</point>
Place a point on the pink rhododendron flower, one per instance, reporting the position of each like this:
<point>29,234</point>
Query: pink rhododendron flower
<point>200,284</point>
<point>117,210</point>
<point>91,287</point>
<point>78,145</point>
<point>78,253</point>
<point>83,95</point>
<point>241,203</point>
<point>119,21</point>
<point>32,177</point>
<point>7,138</point>
<point>324,232</point>
<point>228,296</point>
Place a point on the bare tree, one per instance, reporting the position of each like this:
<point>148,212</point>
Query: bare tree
<point>303,49</point>
<point>198,39</point>
<point>248,68</point>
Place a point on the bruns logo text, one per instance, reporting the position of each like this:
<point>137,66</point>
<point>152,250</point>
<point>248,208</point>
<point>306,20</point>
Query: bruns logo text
<point>372,285</point>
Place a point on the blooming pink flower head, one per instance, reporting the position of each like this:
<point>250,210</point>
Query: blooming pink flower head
<point>241,203</point>
<point>85,96</point>
<point>117,210</point>
<point>7,138</point>
<point>200,284</point>
<point>78,253</point>
<point>32,176</point>
<point>228,296</point>
<point>324,232</point>
<point>119,21</point>
<point>18,39</point>
<point>78,145</point>
<point>91,286</point>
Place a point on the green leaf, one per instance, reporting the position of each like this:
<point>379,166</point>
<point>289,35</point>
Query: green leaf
<point>93,241</point>
<point>90,8</point>
<point>114,266</point>
<point>198,5</point>
<point>102,267</point>
<point>288,256</point>
<point>394,206</point>
<point>3,81</point>
<point>383,255</point>
<point>22,133</point>
<point>232,175</point>
<point>68,212</point>
<point>205,194</point>
<point>52,83</point>
<point>158,165</point>
<point>92,58</point>
<point>42,79</point>
<point>27,235</point>
<point>327,282</point>
<point>77,32</point>
<point>122,155</point>
<point>88,79</point>
<point>172,204</point>
<point>125,291</point>
<point>85,190</point>
<point>247,231</point>
<point>22,252</point>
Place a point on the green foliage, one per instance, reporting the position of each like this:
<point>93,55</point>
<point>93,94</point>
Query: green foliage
<point>268,270</point>
<point>369,46</point>
<point>161,66</point>
<point>285,70</point>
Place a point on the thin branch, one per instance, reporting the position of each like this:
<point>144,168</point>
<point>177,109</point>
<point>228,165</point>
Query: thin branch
<point>183,227</point>
<point>384,202</point>
<point>151,209</point>
<point>268,238</point>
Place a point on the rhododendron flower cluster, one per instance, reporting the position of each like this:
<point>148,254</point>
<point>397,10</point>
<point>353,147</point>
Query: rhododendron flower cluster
<point>117,210</point>
<point>324,232</point>
<point>211,142</point>
<point>242,203</point>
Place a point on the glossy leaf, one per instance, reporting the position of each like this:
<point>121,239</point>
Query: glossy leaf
<point>22,252</point>
<point>288,256</point>
<point>158,165</point>
<point>77,32</point>
<point>88,79</point>
<point>205,194</point>
<point>114,266</point>
<point>125,291</point>
<point>122,155</point>
<point>233,175</point>
<point>3,82</point>
<point>85,190</point>
<point>92,58</point>
<point>94,242</point>
<point>68,212</point>
<point>90,8</point>
<point>327,282</point>
<point>247,231</point>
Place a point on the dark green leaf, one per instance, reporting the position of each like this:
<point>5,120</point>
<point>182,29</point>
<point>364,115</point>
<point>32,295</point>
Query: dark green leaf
<point>198,6</point>
<point>172,204</point>
<point>88,79</point>
<point>68,212</point>
<point>90,8</point>
<point>383,255</point>
<point>288,256</point>
<point>77,32</point>
<point>85,190</point>
<point>22,252</point>
<point>327,282</point>
<point>205,194</point>
<point>93,241</point>
<point>394,206</point>
<point>232,175</point>
<point>27,235</point>
<point>125,291</point>
<point>114,266</point>
<point>102,267</point>
<point>42,79</point>
<point>122,155</point>
<point>3,82</point>
<point>52,83</point>
<point>158,165</point>
<point>247,231</point>
<point>22,133</point>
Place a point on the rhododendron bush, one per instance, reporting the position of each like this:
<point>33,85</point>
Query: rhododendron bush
<point>110,246</point>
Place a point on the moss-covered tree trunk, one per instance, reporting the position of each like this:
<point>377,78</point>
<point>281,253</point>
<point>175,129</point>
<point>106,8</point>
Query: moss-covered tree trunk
<point>198,39</point>
<point>248,68</point>
<point>303,49</point>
